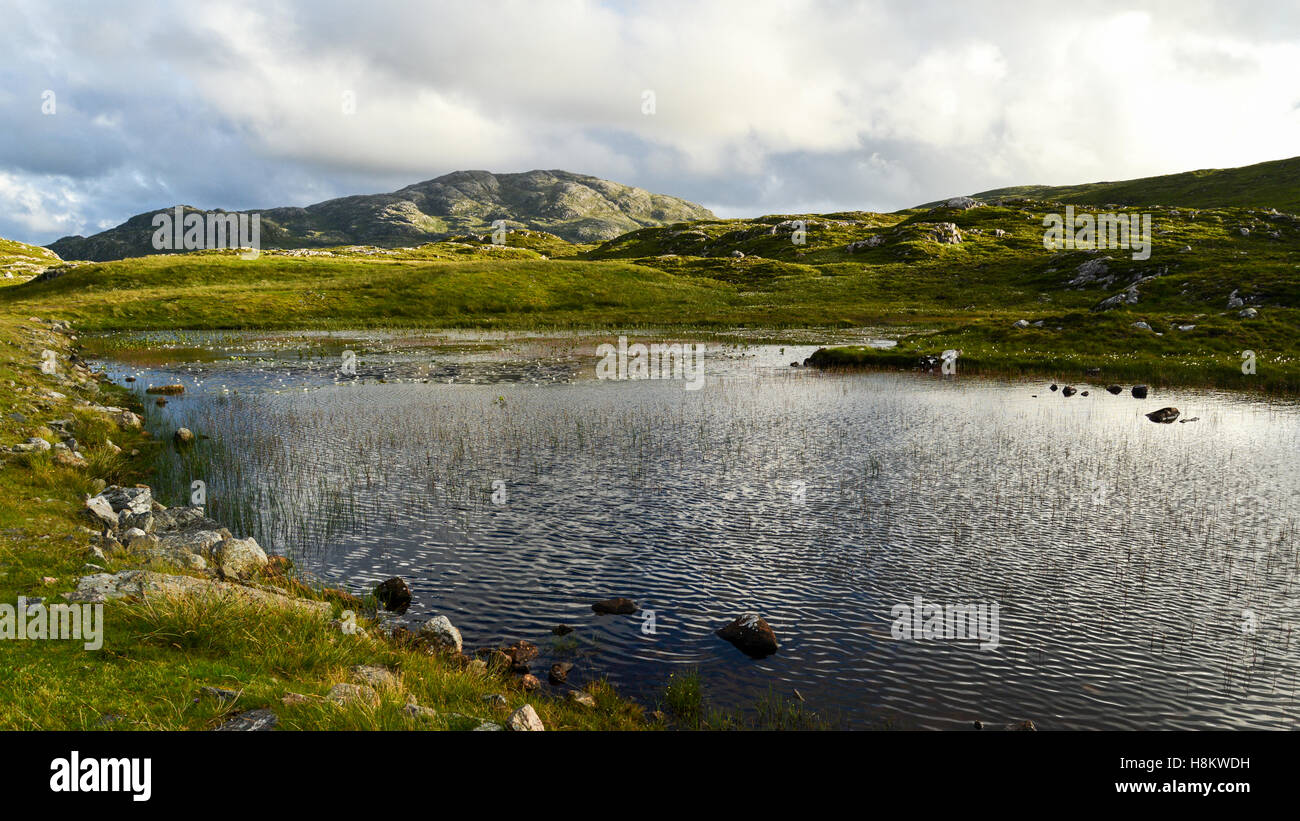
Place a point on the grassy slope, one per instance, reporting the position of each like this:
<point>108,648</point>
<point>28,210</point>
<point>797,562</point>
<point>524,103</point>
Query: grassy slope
<point>1273,184</point>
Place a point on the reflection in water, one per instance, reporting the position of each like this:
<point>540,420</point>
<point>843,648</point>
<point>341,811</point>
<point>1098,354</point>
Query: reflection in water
<point>1146,575</point>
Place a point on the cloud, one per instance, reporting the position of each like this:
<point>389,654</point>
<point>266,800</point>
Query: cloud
<point>758,107</point>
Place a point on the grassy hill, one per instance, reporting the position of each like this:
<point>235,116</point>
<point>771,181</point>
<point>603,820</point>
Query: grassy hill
<point>1273,184</point>
<point>21,261</point>
<point>577,207</point>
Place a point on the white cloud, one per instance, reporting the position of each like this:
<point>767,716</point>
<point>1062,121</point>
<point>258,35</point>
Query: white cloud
<point>759,106</point>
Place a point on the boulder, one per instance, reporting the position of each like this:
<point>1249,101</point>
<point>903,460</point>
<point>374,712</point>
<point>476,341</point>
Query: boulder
<point>393,594</point>
<point>133,499</point>
<point>751,634</point>
<point>525,719</point>
<point>345,693</point>
<point>1139,391</point>
<point>238,558</point>
<point>374,676</point>
<point>1248,313</point>
<point>1164,415</point>
<point>183,436</point>
<point>442,634</point>
<point>1114,390</point>
<point>1069,390</point>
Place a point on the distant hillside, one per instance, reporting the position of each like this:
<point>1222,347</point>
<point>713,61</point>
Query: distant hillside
<point>21,261</point>
<point>576,207</point>
<point>1273,184</point>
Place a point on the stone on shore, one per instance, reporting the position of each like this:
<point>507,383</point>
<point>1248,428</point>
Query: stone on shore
<point>525,719</point>
<point>442,634</point>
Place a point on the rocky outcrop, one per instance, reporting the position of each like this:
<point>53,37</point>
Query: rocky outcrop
<point>145,584</point>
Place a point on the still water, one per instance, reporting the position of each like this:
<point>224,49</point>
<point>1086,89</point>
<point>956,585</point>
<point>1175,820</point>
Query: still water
<point>1145,575</point>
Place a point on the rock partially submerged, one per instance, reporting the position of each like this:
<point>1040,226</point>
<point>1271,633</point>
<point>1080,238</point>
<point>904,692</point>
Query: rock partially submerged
<point>1164,415</point>
<point>751,634</point>
<point>1139,391</point>
<point>394,594</point>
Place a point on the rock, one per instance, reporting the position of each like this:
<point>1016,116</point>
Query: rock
<point>1139,391</point>
<point>1235,301</point>
<point>1164,415</point>
<point>495,700</point>
<point>945,232</point>
<point>1115,390</point>
<point>145,584</point>
<point>559,672</point>
<point>1069,390</point>
<point>521,652</point>
<point>98,510</point>
<point>219,693</point>
<point>751,634</point>
<point>1020,323</point>
<point>478,666</point>
<point>490,726</point>
<point>183,436</point>
<point>169,390</point>
<point>618,607</point>
<point>1083,393</point>
<point>69,459</point>
<point>561,629</point>
<point>1093,270</point>
<point>127,420</point>
<point>1141,326</point>
<point>133,499</point>
<point>191,541</point>
<point>344,693</point>
<point>738,254</point>
<point>250,721</point>
<point>530,682</point>
<point>874,241</point>
<point>1248,313</point>
<point>374,676</point>
<point>581,699</point>
<point>963,203</point>
<point>393,594</point>
<point>292,699</point>
<point>418,712</point>
<point>238,558</point>
<point>525,719</point>
<point>1052,387</point>
<point>442,634</point>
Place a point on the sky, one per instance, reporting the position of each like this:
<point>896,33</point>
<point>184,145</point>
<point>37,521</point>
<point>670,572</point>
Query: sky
<point>109,109</point>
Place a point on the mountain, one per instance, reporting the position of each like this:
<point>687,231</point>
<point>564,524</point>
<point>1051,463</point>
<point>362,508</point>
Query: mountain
<point>576,207</point>
<point>1274,184</point>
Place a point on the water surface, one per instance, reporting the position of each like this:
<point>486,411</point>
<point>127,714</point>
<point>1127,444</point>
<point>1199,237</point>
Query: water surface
<point>1146,575</point>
